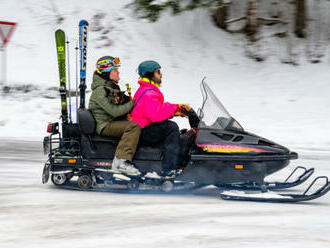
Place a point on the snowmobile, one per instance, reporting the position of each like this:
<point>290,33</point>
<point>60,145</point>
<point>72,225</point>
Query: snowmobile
<point>215,151</point>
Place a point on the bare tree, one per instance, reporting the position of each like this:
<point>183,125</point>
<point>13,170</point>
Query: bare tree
<point>300,18</point>
<point>315,45</point>
<point>221,15</point>
<point>290,56</point>
<point>251,27</point>
<point>274,10</point>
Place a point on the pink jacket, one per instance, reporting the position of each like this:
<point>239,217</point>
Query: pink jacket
<point>150,106</point>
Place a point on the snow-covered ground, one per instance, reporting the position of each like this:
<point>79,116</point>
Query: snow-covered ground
<point>288,104</point>
<point>37,215</point>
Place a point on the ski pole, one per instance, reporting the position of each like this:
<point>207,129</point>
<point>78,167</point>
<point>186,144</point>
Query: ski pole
<point>67,46</point>
<point>77,78</point>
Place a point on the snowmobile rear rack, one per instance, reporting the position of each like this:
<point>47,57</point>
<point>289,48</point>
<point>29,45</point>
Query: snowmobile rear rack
<point>65,146</point>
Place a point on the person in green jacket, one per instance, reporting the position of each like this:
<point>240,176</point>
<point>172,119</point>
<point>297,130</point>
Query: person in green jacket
<point>110,107</point>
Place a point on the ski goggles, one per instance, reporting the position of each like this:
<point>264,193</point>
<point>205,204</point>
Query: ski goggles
<point>107,65</point>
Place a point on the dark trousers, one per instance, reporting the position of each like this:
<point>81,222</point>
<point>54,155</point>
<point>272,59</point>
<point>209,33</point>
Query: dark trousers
<point>167,133</point>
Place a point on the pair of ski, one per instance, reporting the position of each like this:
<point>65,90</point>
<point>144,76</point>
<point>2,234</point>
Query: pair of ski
<point>61,41</point>
<point>238,192</point>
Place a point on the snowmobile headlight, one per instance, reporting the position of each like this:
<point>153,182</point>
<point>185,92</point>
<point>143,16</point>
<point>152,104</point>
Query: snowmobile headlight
<point>72,161</point>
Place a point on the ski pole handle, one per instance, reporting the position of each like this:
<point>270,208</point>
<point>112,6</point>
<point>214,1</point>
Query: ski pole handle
<point>129,91</point>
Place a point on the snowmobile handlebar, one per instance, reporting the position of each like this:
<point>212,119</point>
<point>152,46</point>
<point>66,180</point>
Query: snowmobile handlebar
<point>193,118</point>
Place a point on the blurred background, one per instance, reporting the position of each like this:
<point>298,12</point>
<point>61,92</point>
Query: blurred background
<point>266,60</point>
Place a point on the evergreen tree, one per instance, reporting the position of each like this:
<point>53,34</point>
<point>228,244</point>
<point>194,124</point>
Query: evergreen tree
<point>151,9</point>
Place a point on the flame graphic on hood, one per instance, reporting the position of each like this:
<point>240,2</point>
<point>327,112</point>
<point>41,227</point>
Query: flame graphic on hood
<point>227,148</point>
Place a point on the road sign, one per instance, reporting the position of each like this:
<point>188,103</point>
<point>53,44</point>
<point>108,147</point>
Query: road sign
<point>6,30</point>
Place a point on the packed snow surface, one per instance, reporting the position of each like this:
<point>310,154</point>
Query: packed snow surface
<point>36,215</point>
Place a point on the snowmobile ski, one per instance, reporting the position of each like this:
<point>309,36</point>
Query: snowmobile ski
<point>275,185</point>
<point>83,28</point>
<point>239,195</point>
<point>60,49</point>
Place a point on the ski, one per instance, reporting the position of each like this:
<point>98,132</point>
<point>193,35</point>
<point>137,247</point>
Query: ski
<point>300,178</point>
<point>83,28</point>
<point>60,49</point>
<point>239,195</point>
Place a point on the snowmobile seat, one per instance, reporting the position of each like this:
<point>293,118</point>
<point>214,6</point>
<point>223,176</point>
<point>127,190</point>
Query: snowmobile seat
<point>87,126</point>
<point>90,140</point>
<point>104,147</point>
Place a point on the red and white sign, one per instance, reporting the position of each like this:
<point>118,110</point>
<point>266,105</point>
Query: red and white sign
<point>6,30</point>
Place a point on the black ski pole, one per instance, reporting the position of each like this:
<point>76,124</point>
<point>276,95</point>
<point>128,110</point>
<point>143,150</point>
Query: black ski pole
<point>69,81</point>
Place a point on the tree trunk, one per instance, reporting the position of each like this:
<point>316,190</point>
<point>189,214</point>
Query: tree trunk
<point>300,18</point>
<point>251,27</point>
<point>221,15</point>
<point>290,57</point>
<point>274,10</point>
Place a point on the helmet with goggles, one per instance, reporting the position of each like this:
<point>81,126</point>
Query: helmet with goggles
<point>105,64</point>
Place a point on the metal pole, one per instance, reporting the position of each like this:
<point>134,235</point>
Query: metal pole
<point>77,78</point>
<point>69,81</point>
<point>4,64</point>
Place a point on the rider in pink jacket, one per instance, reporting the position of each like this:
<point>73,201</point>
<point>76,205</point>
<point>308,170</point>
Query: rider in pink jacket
<point>153,114</point>
<point>150,106</point>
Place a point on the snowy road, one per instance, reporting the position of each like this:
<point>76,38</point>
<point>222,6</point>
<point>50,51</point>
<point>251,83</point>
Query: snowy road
<point>36,215</point>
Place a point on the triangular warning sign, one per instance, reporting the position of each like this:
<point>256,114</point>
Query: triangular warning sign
<point>6,30</point>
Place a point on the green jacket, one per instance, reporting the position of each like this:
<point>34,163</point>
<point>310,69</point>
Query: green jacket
<point>99,103</point>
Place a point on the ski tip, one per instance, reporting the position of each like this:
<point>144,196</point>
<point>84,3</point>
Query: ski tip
<point>59,31</point>
<point>83,22</point>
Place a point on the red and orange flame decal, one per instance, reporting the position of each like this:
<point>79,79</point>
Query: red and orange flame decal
<point>227,148</point>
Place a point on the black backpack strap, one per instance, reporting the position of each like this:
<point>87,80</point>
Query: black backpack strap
<point>137,101</point>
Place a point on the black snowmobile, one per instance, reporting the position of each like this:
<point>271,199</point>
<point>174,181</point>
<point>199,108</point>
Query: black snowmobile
<point>215,151</point>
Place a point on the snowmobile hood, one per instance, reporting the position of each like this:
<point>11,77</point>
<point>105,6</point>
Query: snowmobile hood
<point>100,82</point>
<point>221,141</point>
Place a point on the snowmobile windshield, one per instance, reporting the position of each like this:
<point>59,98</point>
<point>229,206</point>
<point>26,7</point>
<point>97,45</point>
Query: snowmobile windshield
<point>213,114</point>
